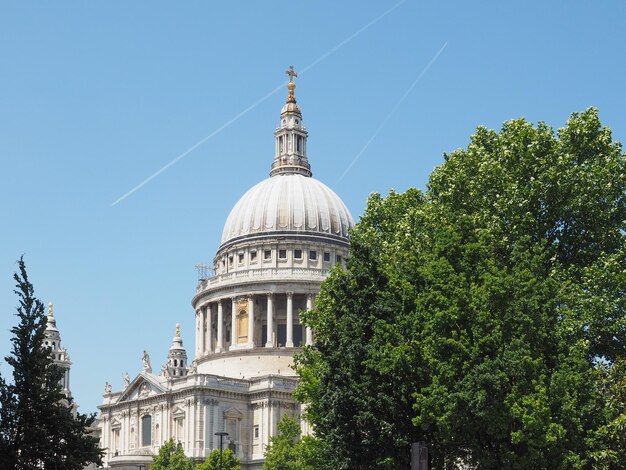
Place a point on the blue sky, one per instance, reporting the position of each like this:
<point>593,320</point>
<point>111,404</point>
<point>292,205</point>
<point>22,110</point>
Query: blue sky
<point>97,96</point>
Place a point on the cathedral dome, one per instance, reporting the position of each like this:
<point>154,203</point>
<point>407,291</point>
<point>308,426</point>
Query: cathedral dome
<point>288,202</point>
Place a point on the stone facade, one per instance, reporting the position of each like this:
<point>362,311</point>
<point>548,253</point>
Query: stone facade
<point>278,244</point>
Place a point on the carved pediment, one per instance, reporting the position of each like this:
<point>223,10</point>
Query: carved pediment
<point>233,413</point>
<point>143,386</point>
<point>178,412</point>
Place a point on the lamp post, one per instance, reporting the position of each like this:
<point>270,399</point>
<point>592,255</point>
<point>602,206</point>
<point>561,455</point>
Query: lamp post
<point>222,435</point>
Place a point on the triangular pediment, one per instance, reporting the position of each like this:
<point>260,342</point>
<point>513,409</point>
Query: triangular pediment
<point>143,386</point>
<point>233,413</point>
<point>178,412</point>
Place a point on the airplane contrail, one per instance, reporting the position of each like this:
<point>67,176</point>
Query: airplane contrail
<point>392,112</point>
<point>255,104</point>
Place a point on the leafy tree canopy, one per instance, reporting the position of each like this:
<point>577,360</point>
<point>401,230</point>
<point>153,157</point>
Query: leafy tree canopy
<point>171,456</point>
<point>289,450</point>
<point>38,426</point>
<point>484,316</point>
<point>229,461</point>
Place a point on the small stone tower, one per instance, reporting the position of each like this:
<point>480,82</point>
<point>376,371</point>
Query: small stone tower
<point>177,356</point>
<point>59,355</point>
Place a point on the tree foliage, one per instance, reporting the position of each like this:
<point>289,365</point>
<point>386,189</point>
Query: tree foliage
<point>485,316</point>
<point>38,428</point>
<point>229,461</point>
<point>171,456</point>
<point>289,450</point>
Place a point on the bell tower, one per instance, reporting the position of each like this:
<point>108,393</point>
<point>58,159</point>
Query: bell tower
<point>177,356</point>
<point>59,355</point>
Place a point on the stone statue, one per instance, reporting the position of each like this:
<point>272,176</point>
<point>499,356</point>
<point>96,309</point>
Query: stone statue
<point>194,368</point>
<point>107,387</point>
<point>146,362</point>
<point>126,380</point>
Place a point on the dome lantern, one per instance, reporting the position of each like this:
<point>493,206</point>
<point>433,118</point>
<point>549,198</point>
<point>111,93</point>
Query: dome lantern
<point>290,154</point>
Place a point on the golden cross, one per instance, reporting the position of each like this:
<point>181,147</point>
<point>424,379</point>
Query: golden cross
<point>291,73</point>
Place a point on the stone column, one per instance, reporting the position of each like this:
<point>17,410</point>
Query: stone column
<point>216,424</point>
<point>203,330</point>
<point>208,435</point>
<point>289,342</point>
<point>233,324</point>
<point>208,347</point>
<point>220,327</point>
<point>198,336</point>
<point>251,321</point>
<point>199,428</point>
<point>270,321</point>
<point>309,333</point>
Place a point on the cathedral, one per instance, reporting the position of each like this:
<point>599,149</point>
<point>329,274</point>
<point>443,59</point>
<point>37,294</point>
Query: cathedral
<point>278,244</point>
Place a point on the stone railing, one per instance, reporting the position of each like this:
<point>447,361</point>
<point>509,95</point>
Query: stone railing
<point>240,277</point>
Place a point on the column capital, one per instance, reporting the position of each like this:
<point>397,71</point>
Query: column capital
<point>289,294</point>
<point>269,294</point>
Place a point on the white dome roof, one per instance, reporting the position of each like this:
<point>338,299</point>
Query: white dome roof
<point>288,203</point>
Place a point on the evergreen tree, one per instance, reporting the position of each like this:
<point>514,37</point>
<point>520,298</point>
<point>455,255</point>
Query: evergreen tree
<point>38,428</point>
<point>486,316</point>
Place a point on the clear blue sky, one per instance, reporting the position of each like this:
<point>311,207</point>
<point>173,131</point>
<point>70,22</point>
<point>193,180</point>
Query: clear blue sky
<point>97,96</point>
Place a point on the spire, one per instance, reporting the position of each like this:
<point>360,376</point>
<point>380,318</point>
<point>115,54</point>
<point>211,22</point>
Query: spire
<point>290,155</point>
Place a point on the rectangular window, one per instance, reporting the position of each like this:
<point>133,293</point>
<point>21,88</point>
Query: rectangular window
<point>253,256</point>
<point>178,429</point>
<point>267,254</point>
<point>297,254</point>
<point>256,432</point>
<point>116,441</point>
<point>230,260</point>
<point>312,255</point>
<point>240,257</point>
<point>282,254</point>
<point>327,256</point>
<point>338,259</point>
<point>146,430</point>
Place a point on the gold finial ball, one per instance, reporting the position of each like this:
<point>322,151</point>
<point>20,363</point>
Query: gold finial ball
<point>291,85</point>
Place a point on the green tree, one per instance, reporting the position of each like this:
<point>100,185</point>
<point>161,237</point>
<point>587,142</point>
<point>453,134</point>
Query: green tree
<point>171,456</point>
<point>38,428</point>
<point>289,450</point>
<point>282,452</point>
<point>486,316</point>
<point>229,461</point>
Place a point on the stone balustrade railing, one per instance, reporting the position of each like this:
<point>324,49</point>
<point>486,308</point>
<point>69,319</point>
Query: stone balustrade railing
<point>261,274</point>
